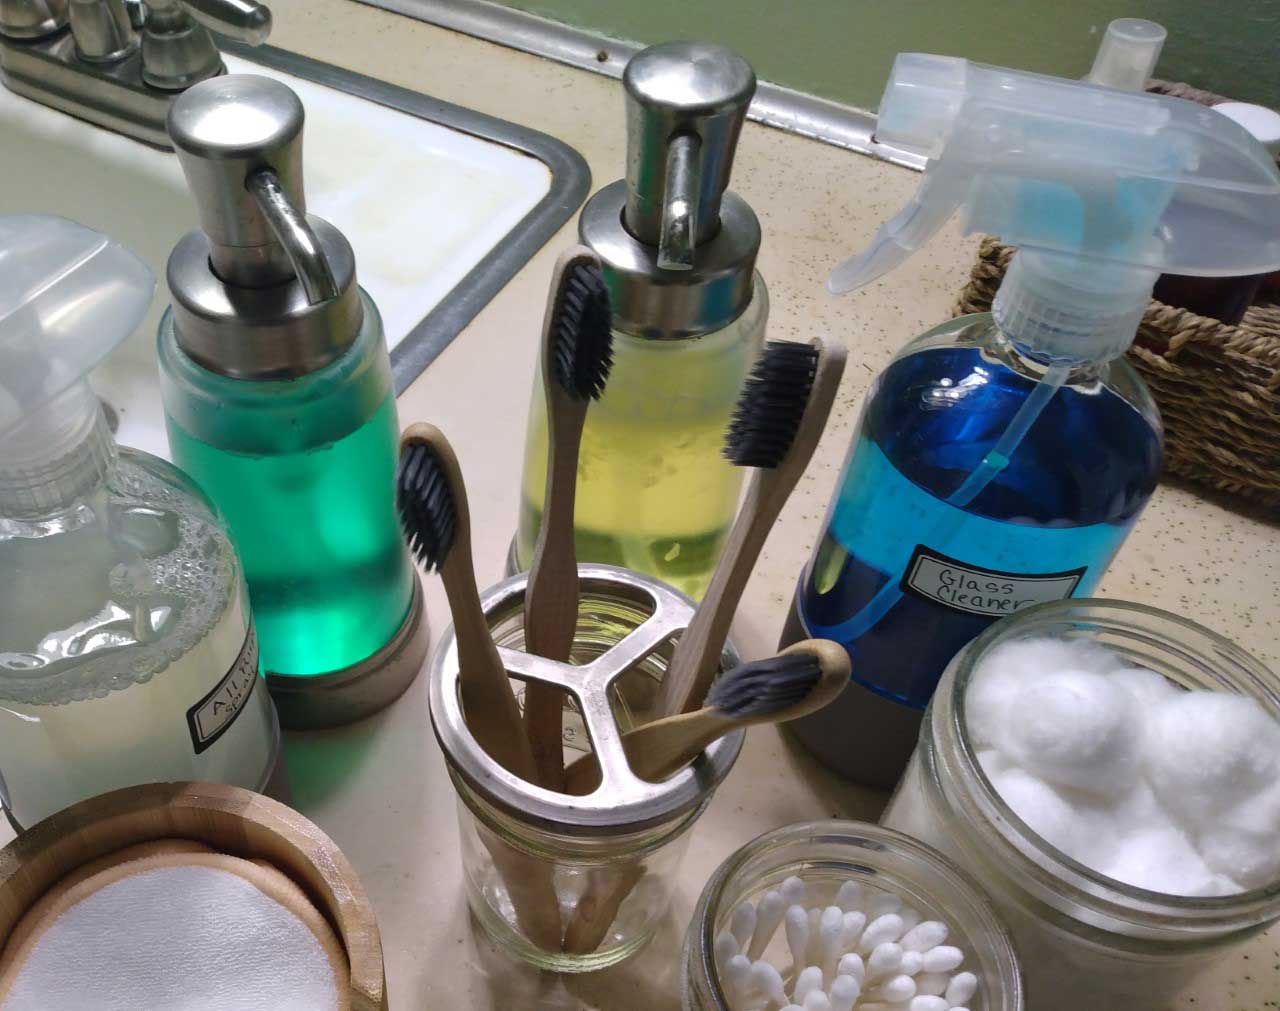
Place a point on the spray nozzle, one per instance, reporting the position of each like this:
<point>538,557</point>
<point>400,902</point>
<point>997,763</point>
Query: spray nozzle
<point>1110,187</point>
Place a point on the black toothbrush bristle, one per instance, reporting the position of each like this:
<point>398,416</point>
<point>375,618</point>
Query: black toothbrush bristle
<point>425,504</point>
<point>765,686</point>
<point>583,334</point>
<point>771,405</point>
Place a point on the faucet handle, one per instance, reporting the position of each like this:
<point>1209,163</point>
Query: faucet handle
<point>243,20</point>
<point>177,52</point>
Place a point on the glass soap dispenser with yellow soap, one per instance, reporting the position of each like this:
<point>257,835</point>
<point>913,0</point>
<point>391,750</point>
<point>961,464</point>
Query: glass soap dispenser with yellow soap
<point>677,251</point>
<point>279,402</point>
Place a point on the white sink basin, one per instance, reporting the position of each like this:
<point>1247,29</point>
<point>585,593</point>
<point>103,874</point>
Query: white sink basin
<point>424,206</point>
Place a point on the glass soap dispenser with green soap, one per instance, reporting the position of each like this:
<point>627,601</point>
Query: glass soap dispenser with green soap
<point>677,251</point>
<point>1002,458</point>
<point>279,402</point>
<point>127,654</point>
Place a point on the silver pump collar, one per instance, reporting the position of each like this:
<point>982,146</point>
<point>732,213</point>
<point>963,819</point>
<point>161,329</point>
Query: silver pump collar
<point>262,290</point>
<point>677,248</point>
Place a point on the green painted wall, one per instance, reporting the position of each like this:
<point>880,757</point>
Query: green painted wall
<point>842,49</point>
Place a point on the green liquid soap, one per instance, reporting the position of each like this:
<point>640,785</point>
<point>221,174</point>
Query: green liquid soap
<point>304,472</point>
<point>329,586</point>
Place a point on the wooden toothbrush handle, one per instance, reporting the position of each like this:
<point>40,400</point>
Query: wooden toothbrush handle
<point>697,654</point>
<point>607,888</point>
<point>531,887</point>
<point>551,595</point>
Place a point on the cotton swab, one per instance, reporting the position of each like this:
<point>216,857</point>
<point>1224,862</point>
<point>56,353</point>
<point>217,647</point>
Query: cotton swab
<point>742,924</point>
<point>830,935</point>
<point>844,993</point>
<point>796,924</point>
<point>943,958</point>
<point>726,946</point>
<point>961,988</point>
<point>853,924</point>
<point>925,935</point>
<point>852,965</point>
<point>884,961</point>
<point>769,915</point>
<point>809,980</point>
<point>850,897</point>
<point>881,929</point>
<point>766,978</point>
<point>897,990</point>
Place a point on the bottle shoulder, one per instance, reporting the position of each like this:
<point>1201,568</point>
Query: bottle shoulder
<point>1092,455</point>
<point>115,590</point>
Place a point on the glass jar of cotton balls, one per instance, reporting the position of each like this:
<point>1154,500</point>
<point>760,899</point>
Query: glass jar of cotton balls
<point>842,916</point>
<point>1110,774</point>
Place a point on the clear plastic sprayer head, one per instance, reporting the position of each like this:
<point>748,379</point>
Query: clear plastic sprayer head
<point>1067,167</point>
<point>68,296</point>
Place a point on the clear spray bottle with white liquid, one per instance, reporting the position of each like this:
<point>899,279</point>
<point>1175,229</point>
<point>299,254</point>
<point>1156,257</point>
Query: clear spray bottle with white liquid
<point>1002,458</point>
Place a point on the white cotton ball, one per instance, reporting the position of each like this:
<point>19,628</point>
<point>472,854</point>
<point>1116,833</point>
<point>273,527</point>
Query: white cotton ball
<point>1147,687</point>
<point>1208,752</point>
<point>1077,729</point>
<point>1044,810</point>
<point>1240,857</point>
<point>1160,858</point>
<point>1014,666</point>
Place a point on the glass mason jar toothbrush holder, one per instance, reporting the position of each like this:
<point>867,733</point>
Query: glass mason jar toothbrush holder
<point>1085,940</point>
<point>825,854</point>
<point>577,883</point>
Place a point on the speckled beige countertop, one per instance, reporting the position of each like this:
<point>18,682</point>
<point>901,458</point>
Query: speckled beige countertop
<point>380,789</point>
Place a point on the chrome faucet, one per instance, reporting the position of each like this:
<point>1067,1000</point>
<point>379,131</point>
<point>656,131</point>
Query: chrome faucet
<point>120,63</point>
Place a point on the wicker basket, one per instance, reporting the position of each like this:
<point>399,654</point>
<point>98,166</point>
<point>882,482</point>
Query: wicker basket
<point>1218,386</point>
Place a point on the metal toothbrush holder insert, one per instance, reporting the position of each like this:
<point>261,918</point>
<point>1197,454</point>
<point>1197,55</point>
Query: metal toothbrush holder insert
<point>578,883</point>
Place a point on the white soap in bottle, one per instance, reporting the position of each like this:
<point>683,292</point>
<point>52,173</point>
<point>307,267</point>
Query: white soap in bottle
<point>127,653</point>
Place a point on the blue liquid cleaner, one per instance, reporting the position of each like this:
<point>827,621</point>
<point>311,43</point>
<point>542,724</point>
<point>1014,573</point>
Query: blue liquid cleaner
<point>904,578</point>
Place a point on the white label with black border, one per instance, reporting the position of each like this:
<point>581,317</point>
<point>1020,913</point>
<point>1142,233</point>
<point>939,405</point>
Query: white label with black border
<point>972,589</point>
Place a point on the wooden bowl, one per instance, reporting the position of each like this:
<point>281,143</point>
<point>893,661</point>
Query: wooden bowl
<point>226,818</point>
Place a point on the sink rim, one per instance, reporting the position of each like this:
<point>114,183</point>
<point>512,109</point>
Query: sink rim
<point>570,184</point>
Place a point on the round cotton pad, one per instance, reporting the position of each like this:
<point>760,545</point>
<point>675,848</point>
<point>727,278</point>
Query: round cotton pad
<point>193,930</point>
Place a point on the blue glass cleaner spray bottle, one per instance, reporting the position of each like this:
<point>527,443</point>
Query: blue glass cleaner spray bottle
<point>1002,458</point>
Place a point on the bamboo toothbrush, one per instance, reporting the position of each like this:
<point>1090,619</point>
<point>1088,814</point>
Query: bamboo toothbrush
<point>577,351</point>
<point>432,502</point>
<point>781,412</point>
<point>800,680</point>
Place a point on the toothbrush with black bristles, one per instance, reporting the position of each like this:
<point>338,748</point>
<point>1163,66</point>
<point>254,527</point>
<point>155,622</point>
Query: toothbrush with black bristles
<point>432,501</point>
<point>781,412</point>
<point>576,354</point>
<point>800,680</point>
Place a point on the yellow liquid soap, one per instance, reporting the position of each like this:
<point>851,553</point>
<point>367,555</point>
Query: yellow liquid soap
<point>655,493</point>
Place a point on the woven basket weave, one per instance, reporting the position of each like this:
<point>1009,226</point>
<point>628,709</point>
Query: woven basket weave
<point>1218,386</point>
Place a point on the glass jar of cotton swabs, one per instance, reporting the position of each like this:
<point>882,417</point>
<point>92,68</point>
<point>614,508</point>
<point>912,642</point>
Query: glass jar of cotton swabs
<point>841,916</point>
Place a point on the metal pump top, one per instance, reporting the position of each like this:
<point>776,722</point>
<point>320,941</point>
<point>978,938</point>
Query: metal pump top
<point>678,249</point>
<point>261,290</point>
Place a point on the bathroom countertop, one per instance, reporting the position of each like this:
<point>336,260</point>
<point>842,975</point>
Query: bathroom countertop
<point>380,789</point>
